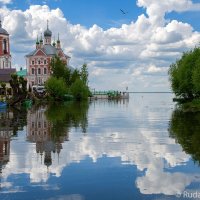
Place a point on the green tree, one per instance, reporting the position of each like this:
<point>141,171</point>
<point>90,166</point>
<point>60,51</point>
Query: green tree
<point>76,80</point>
<point>79,90</point>
<point>196,79</point>
<point>14,83</point>
<point>67,76</point>
<point>56,88</point>
<point>19,88</point>
<point>74,76</point>
<point>3,85</point>
<point>58,67</point>
<point>185,73</point>
<point>84,74</point>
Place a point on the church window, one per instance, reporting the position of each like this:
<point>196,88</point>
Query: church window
<point>39,62</point>
<point>4,46</point>
<point>39,71</point>
<point>45,70</point>
<point>33,71</point>
<point>45,62</point>
<point>33,62</point>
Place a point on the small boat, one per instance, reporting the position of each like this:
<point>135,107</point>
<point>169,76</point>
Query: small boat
<point>3,104</point>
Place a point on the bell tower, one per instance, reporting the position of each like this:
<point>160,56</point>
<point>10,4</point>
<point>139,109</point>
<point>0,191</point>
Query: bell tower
<point>5,57</point>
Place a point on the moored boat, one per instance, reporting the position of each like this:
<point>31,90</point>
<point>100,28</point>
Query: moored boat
<point>3,104</point>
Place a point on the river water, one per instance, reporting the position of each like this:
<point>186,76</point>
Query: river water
<point>141,148</point>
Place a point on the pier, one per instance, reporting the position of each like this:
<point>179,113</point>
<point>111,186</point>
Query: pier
<point>110,95</point>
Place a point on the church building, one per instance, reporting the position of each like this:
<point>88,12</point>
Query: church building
<point>5,57</point>
<point>38,61</point>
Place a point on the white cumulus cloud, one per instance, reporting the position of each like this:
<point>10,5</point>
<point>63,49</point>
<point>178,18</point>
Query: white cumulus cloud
<point>151,39</point>
<point>5,1</point>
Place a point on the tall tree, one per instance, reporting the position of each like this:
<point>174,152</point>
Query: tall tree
<point>185,73</point>
<point>84,74</point>
<point>74,76</point>
<point>58,67</point>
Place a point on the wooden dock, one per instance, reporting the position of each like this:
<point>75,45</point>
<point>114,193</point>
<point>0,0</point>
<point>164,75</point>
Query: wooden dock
<point>110,95</point>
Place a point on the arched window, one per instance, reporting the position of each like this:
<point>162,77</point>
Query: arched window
<point>45,70</point>
<point>39,71</point>
<point>33,71</point>
<point>4,46</point>
<point>39,62</point>
<point>45,62</point>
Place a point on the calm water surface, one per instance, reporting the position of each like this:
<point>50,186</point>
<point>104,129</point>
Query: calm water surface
<point>144,148</point>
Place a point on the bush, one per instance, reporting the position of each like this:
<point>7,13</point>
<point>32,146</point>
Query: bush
<point>79,90</point>
<point>56,87</point>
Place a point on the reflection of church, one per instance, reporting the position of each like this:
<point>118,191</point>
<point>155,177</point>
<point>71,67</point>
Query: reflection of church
<point>6,132</point>
<point>39,132</point>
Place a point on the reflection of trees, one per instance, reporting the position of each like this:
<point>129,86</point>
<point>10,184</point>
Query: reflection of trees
<point>13,119</point>
<point>67,115</point>
<point>19,119</point>
<point>185,128</point>
<point>48,126</point>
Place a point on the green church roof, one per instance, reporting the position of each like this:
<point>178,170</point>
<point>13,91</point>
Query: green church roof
<point>22,72</point>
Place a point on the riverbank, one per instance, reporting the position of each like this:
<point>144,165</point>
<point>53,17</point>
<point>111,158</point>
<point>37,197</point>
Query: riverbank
<point>189,106</point>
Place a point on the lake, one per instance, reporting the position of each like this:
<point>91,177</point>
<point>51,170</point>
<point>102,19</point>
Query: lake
<point>141,148</point>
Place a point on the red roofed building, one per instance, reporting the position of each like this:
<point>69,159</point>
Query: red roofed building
<point>37,62</point>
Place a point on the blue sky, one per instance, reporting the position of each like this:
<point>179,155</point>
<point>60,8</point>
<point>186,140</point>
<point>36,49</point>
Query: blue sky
<point>105,13</point>
<point>135,49</point>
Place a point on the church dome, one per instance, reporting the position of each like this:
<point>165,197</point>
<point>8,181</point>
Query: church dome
<point>47,33</point>
<point>3,31</point>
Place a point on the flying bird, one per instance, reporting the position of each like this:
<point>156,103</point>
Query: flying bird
<point>123,12</point>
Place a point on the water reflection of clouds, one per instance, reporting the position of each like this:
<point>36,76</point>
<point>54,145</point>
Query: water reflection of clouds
<point>68,197</point>
<point>157,181</point>
<point>149,149</point>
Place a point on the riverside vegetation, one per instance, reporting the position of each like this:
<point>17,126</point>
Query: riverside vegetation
<point>64,84</point>
<point>184,77</point>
